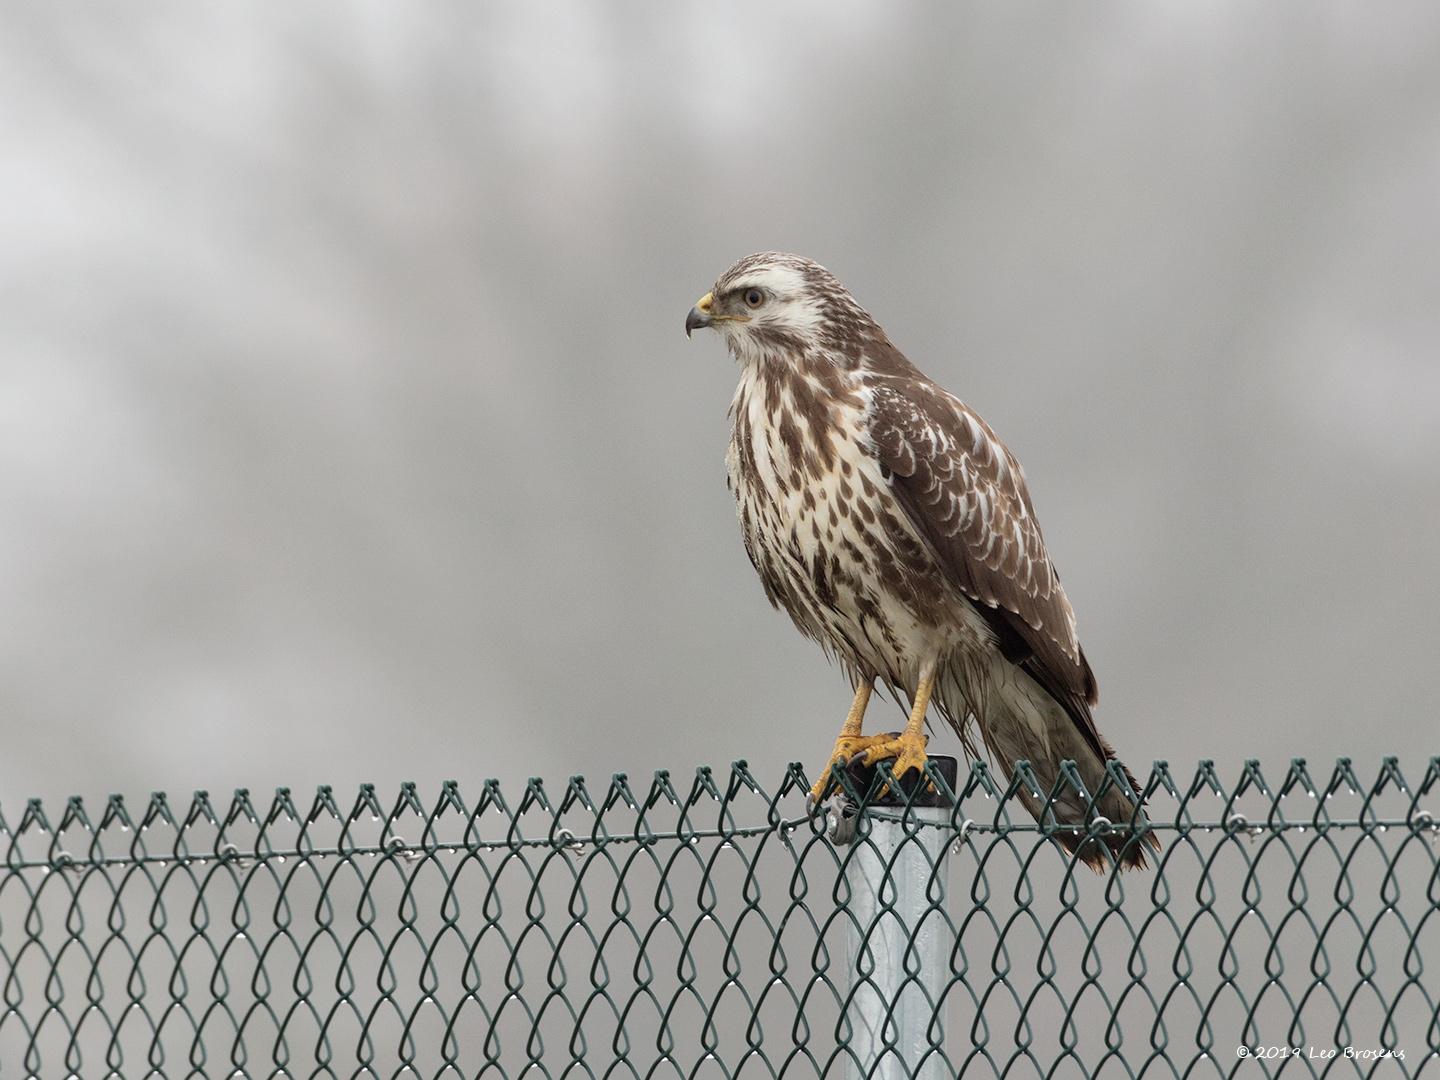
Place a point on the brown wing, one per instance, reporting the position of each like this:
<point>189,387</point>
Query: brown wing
<point>965,494</point>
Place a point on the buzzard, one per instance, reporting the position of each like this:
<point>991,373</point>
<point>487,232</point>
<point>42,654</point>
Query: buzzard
<point>895,528</point>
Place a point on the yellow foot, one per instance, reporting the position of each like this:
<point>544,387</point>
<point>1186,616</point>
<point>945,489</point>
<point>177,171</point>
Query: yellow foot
<point>907,750</point>
<point>846,747</point>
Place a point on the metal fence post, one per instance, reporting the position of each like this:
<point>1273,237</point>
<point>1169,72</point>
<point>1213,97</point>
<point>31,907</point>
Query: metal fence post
<point>899,944</point>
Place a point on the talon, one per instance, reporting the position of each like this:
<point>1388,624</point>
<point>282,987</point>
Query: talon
<point>906,750</point>
<point>846,747</point>
<point>906,747</point>
<point>848,743</point>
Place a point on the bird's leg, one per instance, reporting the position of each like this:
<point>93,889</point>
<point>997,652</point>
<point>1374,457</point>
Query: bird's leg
<point>908,748</point>
<point>850,741</point>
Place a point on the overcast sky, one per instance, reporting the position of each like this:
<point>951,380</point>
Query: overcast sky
<point>348,429</point>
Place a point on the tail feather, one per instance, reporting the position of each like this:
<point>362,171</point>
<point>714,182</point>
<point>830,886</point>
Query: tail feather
<point>1119,843</point>
<point>1021,722</point>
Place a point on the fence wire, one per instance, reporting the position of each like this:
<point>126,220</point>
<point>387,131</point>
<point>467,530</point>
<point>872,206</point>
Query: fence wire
<point>709,928</point>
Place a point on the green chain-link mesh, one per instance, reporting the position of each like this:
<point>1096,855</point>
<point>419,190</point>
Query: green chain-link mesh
<point>706,928</point>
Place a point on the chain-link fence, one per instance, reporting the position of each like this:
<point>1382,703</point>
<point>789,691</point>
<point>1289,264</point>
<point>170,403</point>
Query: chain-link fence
<point>711,927</point>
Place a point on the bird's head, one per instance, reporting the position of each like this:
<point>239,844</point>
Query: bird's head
<point>776,304</point>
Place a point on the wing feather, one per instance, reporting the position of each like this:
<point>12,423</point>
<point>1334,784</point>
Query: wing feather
<point>966,495</point>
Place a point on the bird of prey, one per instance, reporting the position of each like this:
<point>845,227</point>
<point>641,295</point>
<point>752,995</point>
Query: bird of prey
<point>895,528</point>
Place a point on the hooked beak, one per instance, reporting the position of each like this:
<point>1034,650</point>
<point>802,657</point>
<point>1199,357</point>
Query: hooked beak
<point>699,314</point>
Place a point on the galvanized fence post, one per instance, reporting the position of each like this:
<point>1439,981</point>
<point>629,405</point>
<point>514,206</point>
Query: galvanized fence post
<point>899,942</point>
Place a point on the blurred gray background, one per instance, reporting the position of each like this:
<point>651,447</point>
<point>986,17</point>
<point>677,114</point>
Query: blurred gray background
<point>348,430</point>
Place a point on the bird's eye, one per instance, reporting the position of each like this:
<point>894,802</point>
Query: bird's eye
<point>754,297</point>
